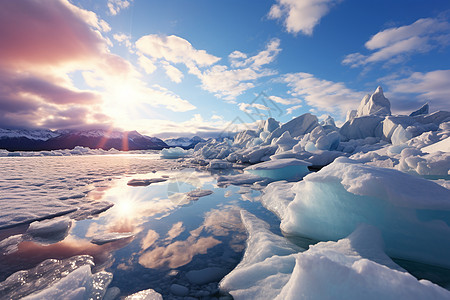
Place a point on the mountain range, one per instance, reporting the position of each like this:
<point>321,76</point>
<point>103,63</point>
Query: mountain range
<point>37,140</point>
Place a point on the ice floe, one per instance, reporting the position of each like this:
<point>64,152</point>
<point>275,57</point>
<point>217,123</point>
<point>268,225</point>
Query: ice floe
<point>354,267</point>
<point>145,182</point>
<point>281,169</point>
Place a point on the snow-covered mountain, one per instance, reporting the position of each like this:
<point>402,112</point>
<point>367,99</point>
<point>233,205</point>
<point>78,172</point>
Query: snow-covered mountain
<point>33,134</point>
<point>34,140</point>
<point>184,142</point>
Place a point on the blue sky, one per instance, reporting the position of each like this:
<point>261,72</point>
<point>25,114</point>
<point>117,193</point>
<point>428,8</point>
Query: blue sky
<point>176,68</point>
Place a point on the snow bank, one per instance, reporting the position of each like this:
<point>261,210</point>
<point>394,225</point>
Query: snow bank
<point>412,213</point>
<point>352,268</point>
<point>281,169</point>
<point>173,153</point>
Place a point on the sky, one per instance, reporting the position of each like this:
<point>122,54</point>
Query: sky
<point>183,68</point>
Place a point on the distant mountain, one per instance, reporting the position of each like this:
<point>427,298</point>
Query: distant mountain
<point>184,142</point>
<point>36,140</point>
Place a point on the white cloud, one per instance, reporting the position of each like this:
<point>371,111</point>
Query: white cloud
<point>174,74</point>
<point>292,108</point>
<point>323,94</point>
<point>394,44</point>
<point>228,83</point>
<point>115,6</point>
<point>431,86</point>
<point>285,101</point>
<point>174,49</point>
<point>246,107</point>
<point>300,15</point>
<point>148,66</point>
<point>123,38</point>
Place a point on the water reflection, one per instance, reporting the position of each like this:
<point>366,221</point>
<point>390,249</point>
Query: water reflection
<point>168,234</point>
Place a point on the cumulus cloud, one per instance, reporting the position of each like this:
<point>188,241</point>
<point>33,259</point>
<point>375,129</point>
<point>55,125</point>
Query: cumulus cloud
<point>174,49</point>
<point>229,82</point>
<point>300,15</point>
<point>418,88</point>
<point>397,43</point>
<point>322,94</point>
<point>115,6</point>
<point>173,73</point>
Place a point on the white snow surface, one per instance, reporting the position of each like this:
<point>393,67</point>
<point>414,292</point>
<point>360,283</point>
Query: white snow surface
<point>354,267</point>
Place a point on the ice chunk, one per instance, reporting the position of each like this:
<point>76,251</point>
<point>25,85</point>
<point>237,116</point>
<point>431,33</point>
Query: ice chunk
<point>276,197</point>
<point>176,152</point>
<point>79,284</point>
<point>145,182</point>
<point>284,142</point>
<point>351,114</point>
<point>207,275</point>
<point>10,244</point>
<point>49,231</point>
<point>362,127</point>
<point>46,275</point>
<point>219,164</point>
<point>355,267</point>
<point>281,169</point>
<point>244,136</point>
<point>266,266</point>
<point>109,237</point>
<point>145,295</point>
<point>297,126</point>
<point>421,111</point>
<point>443,146</point>
<point>375,104</point>
<point>412,213</point>
<point>198,193</point>
<point>270,125</point>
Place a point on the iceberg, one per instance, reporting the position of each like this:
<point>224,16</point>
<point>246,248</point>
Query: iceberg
<point>374,105</point>
<point>412,213</point>
<point>355,267</point>
<point>174,153</point>
<point>281,169</point>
